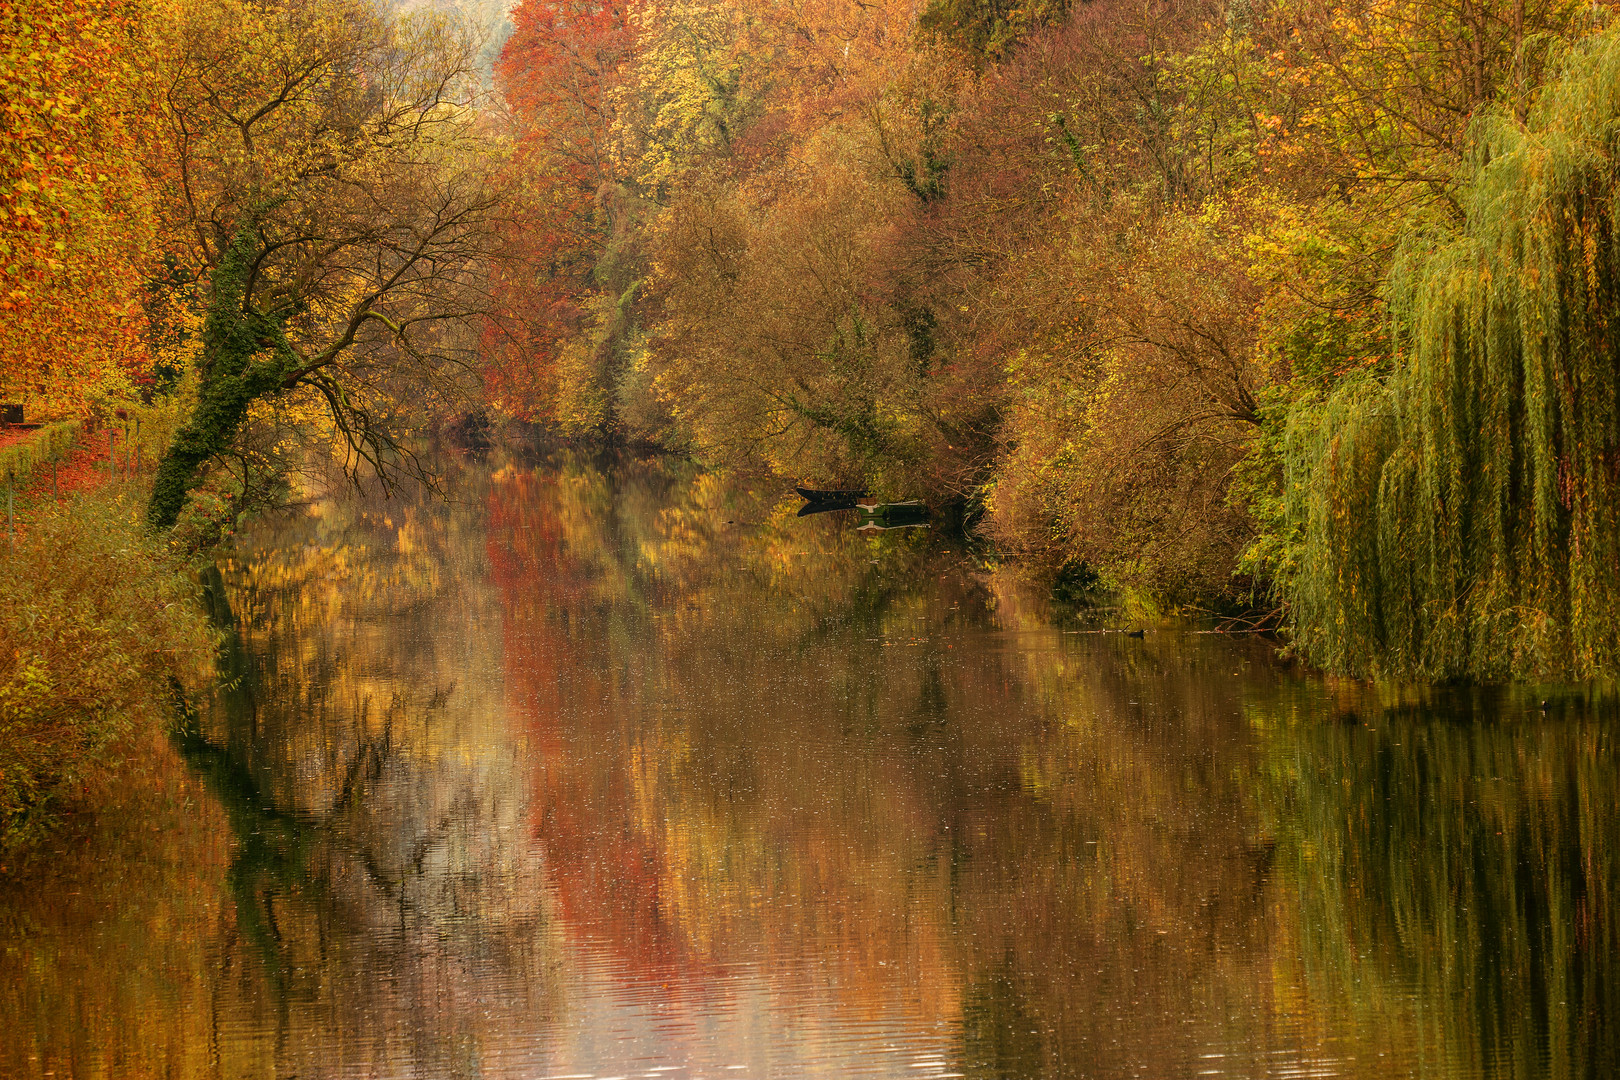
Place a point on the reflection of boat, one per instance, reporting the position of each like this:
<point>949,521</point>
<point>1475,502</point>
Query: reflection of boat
<point>908,509</point>
<point>872,526</point>
<point>831,495</point>
<point>901,515</point>
<point>824,508</point>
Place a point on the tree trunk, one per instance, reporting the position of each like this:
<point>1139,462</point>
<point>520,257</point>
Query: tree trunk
<point>245,357</point>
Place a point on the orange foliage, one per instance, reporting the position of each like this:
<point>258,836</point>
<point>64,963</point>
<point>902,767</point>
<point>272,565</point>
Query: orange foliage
<point>617,878</point>
<point>78,220</point>
<point>558,71</point>
<point>615,107</point>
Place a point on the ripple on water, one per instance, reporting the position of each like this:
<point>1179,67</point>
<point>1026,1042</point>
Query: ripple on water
<point>555,779</point>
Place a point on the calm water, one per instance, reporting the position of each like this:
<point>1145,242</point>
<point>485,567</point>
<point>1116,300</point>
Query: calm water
<point>623,771</point>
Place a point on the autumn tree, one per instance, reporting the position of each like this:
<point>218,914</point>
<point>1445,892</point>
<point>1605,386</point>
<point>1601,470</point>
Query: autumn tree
<point>783,337</point>
<point>569,231</point>
<point>80,173</point>
<point>333,182</point>
<point>1081,265</point>
<point>988,29</point>
<point>1458,516</point>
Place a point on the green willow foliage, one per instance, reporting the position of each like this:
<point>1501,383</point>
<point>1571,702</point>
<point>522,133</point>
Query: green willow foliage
<point>1462,516</point>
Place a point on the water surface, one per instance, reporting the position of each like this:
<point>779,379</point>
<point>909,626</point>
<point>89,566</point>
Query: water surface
<point>618,769</point>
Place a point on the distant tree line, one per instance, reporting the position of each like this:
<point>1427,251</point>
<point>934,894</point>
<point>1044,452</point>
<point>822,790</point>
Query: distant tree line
<point>1298,306</point>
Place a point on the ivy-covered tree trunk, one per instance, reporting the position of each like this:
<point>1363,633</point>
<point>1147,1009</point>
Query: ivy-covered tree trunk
<point>245,357</point>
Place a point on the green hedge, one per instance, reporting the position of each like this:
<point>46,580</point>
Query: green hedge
<point>47,444</point>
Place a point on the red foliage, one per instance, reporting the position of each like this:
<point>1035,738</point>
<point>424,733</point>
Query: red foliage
<point>84,469</point>
<point>609,876</point>
<point>558,72</point>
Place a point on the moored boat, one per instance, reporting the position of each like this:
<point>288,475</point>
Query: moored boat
<point>831,495</point>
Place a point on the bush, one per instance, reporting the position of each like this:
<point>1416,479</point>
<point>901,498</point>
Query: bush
<point>97,620</point>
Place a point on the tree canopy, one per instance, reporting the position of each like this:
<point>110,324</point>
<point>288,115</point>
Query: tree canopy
<point>1460,516</point>
<point>1292,307</point>
<point>333,183</point>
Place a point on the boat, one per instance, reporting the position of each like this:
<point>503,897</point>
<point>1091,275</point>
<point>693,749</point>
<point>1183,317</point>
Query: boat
<point>831,495</point>
<point>825,508</point>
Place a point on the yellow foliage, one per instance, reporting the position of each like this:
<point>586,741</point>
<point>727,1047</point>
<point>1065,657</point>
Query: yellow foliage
<point>96,618</point>
<point>80,184</point>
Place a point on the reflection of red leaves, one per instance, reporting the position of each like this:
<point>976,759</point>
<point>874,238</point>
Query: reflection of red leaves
<point>609,878</point>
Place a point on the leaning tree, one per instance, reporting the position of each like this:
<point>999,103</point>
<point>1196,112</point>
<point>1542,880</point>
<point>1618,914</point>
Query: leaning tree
<point>334,184</point>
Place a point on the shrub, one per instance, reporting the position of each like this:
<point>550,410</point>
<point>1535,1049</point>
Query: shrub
<point>97,620</point>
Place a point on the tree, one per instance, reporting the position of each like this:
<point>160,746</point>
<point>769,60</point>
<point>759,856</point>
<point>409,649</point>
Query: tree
<point>1459,517</point>
<point>79,170</point>
<point>559,71</point>
<point>559,74</point>
<point>333,181</point>
<point>987,29</point>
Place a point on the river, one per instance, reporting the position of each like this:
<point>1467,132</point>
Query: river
<point>615,768</point>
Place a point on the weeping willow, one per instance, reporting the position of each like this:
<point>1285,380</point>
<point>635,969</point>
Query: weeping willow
<point>1461,517</point>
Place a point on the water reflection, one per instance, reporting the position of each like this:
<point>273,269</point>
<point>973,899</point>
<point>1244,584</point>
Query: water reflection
<point>622,769</point>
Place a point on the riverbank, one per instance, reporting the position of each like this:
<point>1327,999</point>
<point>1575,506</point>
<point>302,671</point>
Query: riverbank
<point>98,620</point>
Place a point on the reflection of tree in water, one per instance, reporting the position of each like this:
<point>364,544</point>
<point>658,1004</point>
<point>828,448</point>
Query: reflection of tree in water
<point>892,788</point>
<point>1456,861</point>
<point>1078,844</point>
<point>1114,906</point>
<point>385,905</point>
<point>105,965</point>
<point>828,756</point>
<point>1000,1038</point>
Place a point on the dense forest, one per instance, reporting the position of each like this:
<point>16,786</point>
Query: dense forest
<point>1300,306</point>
